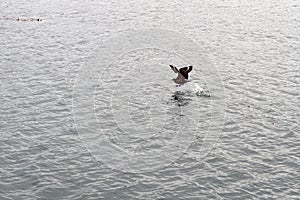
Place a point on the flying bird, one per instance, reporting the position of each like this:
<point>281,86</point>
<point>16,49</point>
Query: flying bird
<point>183,74</point>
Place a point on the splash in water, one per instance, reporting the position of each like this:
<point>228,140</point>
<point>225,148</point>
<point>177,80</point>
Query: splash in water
<point>199,91</point>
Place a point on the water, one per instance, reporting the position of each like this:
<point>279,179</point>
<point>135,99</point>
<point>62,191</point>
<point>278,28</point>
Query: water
<point>74,128</point>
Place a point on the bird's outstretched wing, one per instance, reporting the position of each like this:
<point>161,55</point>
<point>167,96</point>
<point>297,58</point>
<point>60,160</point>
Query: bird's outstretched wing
<point>190,68</point>
<point>174,69</point>
<point>185,70</point>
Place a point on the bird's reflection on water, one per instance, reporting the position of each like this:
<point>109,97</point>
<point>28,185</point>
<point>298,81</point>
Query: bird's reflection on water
<point>181,98</point>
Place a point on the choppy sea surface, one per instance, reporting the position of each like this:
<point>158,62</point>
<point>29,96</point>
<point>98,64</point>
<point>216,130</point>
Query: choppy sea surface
<point>89,109</point>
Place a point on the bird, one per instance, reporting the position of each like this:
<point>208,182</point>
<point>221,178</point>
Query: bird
<point>183,74</point>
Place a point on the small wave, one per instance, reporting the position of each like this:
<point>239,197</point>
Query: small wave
<point>199,91</point>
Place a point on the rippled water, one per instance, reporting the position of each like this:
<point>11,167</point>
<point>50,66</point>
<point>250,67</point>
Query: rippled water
<point>80,122</point>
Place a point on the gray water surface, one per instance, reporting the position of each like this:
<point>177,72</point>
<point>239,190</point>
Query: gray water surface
<point>122,134</point>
